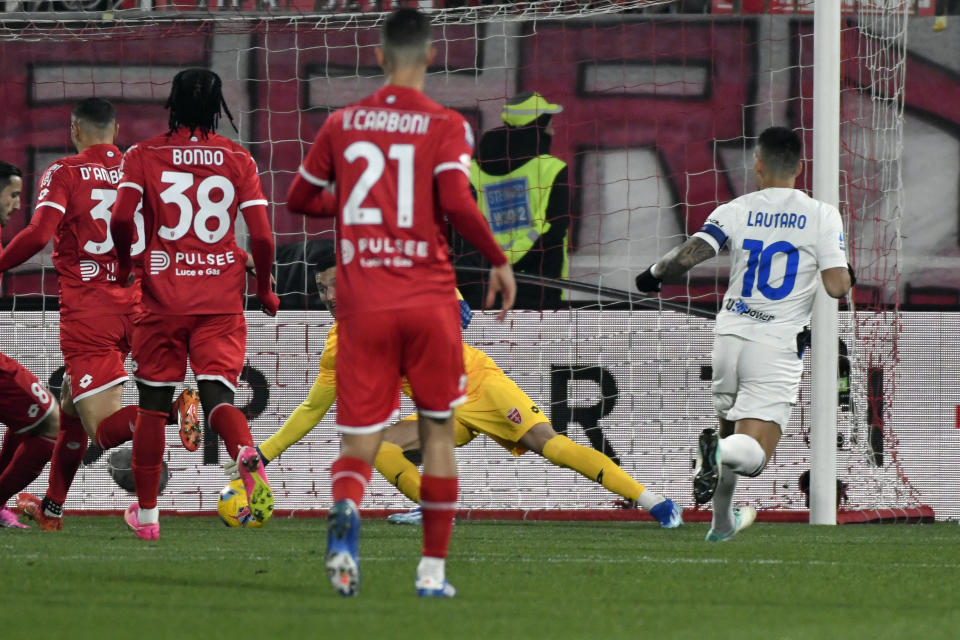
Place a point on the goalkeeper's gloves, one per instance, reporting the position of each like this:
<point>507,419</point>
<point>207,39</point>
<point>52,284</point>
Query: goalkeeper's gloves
<point>853,276</point>
<point>647,282</point>
<point>230,468</point>
<point>466,314</point>
<point>803,341</point>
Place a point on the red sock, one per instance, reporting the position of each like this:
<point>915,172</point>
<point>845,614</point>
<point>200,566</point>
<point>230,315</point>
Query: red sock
<point>67,454</point>
<point>349,477</point>
<point>117,428</point>
<point>149,438</point>
<point>230,423</point>
<point>438,502</point>
<point>11,440</point>
<point>26,465</point>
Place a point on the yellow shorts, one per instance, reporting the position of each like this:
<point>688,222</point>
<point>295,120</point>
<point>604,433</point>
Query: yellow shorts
<point>497,408</point>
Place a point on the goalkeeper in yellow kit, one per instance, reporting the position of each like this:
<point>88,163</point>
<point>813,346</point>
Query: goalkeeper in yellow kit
<point>492,407</point>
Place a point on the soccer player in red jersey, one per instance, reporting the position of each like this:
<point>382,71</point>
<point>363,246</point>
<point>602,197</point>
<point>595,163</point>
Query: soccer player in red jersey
<point>192,182</point>
<point>96,317</point>
<point>400,163</point>
<point>27,409</point>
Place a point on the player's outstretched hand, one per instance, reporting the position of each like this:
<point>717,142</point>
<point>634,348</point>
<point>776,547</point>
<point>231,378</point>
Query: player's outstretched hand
<point>647,282</point>
<point>270,302</point>
<point>502,282</point>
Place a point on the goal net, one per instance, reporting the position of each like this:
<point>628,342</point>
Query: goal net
<point>660,115</point>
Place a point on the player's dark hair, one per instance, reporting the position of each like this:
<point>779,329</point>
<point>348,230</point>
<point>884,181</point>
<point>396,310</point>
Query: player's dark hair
<point>780,148</point>
<point>196,102</point>
<point>405,33</point>
<point>8,171</point>
<point>96,111</point>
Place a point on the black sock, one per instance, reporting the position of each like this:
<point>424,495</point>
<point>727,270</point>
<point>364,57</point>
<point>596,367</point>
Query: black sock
<point>51,508</point>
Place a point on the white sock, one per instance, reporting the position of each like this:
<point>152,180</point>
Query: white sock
<point>648,500</point>
<point>431,568</point>
<point>148,516</point>
<point>742,453</point>
<point>723,520</point>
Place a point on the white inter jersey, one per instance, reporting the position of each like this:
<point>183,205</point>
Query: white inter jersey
<point>779,240</point>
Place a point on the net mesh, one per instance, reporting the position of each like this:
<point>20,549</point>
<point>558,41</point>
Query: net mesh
<point>660,117</point>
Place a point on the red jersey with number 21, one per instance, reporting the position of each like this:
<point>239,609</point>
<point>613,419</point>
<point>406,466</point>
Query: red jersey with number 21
<point>192,189</point>
<point>382,154</point>
<point>83,189</point>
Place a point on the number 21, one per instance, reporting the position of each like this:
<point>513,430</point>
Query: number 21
<point>353,213</point>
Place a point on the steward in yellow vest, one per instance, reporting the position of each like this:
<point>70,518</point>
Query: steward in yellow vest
<point>524,193</point>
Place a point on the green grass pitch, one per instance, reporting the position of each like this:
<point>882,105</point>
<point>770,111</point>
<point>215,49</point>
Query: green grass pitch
<point>551,580</point>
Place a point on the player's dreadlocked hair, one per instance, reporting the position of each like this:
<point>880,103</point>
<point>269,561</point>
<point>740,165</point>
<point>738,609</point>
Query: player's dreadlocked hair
<point>196,101</point>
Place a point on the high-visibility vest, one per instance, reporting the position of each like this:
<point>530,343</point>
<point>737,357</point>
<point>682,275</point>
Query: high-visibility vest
<point>515,204</point>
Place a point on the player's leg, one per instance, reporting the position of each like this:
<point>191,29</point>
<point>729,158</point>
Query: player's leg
<point>349,476</point>
<point>741,453</point>
<point>149,441</point>
<point>160,351</point>
<point>433,364</point>
<point>231,425</point>
<point>217,352</point>
<point>438,503</point>
<point>32,413</point>
<point>597,466</point>
<point>393,465</point>
<point>35,448</point>
<point>68,452</point>
<point>755,386</point>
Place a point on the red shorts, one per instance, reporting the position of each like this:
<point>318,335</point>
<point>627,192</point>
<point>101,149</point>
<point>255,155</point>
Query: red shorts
<point>94,350</point>
<point>216,345</point>
<point>376,349</point>
<point>24,402</point>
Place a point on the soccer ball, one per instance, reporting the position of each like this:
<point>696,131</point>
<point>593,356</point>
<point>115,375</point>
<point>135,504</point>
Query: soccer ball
<point>233,509</point>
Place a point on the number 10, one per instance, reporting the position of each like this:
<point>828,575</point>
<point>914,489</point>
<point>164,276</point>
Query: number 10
<point>758,268</point>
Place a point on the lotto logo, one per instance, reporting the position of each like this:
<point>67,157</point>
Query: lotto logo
<point>514,416</point>
<point>85,381</point>
<point>159,261</point>
<point>133,365</point>
<point>33,410</point>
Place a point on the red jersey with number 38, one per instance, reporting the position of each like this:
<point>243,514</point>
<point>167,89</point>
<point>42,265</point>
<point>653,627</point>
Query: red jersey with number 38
<point>83,188</point>
<point>382,154</point>
<point>192,189</point>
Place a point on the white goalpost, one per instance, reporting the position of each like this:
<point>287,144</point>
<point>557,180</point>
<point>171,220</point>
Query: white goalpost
<point>826,187</point>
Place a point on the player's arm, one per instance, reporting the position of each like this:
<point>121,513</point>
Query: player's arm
<point>455,198</point>
<point>261,249</point>
<point>835,271</point>
<point>675,263</point>
<point>51,206</point>
<point>311,193</point>
<point>122,227</point>
<point>31,238</point>
<point>305,417</point>
<point>308,199</point>
<point>253,208</point>
<point>701,246</point>
<point>838,280</point>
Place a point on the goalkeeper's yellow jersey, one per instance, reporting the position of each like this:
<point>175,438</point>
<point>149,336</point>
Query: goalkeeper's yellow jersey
<point>476,364</point>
